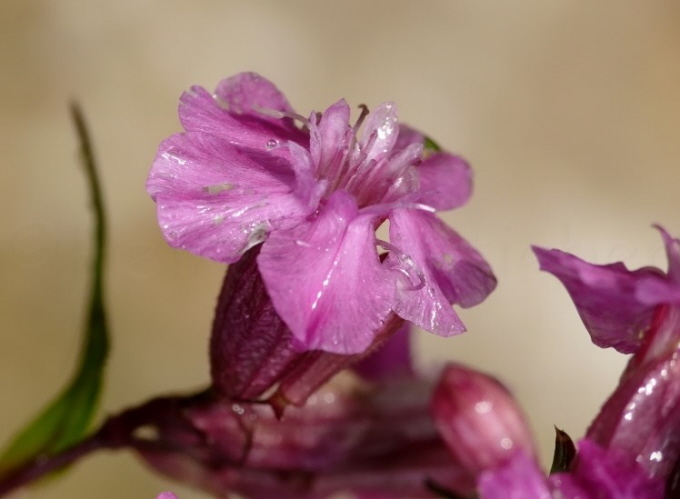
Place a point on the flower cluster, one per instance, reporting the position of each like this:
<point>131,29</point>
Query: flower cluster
<point>293,204</point>
<point>632,448</point>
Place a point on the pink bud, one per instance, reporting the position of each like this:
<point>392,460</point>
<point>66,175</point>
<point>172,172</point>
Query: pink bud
<point>479,419</point>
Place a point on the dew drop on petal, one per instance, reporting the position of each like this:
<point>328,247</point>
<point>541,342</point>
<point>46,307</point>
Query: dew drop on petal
<point>271,144</point>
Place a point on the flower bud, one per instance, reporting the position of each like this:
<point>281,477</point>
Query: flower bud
<point>479,419</point>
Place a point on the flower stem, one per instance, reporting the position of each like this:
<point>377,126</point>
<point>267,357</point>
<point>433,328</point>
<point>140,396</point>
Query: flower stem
<point>42,465</point>
<point>116,432</point>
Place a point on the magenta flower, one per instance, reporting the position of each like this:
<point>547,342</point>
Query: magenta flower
<point>616,304</point>
<point>313,191</point>
<point>489,438</point>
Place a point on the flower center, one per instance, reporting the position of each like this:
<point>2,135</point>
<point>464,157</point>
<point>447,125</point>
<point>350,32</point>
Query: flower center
<point>371,176</point>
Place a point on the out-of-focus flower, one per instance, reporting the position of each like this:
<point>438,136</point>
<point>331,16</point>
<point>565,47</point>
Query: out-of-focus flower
<point>616,304</point>
<point>487,434</point>
<point>350,436</point>
<point>479,419</point>
<point>313,191</point>
<point>167,495</point>
<point>634,442</point>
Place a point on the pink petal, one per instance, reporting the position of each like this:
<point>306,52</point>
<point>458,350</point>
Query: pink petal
<point>673,254</point>
<point>315,367</point>
<point>640,419</point>
<point>408,136</point>
<point>609,473</point>
<point>250,93</point>
<point>331,136</point>
<point>445,181</point>
<point>200,112</point>
<point>217,202</point>
<point>605,297</point>
<point>325,279</point>
<point>381,131</point>
<point>519,478</point>
<point>447,270</point>
<point>392,360</point>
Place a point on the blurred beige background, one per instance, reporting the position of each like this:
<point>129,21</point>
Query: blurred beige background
<point>568,111</point>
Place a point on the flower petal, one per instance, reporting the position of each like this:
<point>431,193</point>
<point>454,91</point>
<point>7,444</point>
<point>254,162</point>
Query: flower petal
<point>380,131</point>
<point>519,478</point>
<point>250,94</point>
<point>408,136</point>
<point>330,138</point>
<point>609,473</point>
<point>445,181</point>
<point>451,271</point>
<point>217,202</point>
<point>392,360</point>
<point>640,419</point>
<point>673,254</point>
<point>605,297</point>
<point>325,279</point>
<point>199,111</point>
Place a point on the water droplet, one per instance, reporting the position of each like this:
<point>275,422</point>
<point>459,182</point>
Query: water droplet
<point>271,144</point>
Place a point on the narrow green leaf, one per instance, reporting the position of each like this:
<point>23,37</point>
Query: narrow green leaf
<point>66,419</point>
<point>565,452</point>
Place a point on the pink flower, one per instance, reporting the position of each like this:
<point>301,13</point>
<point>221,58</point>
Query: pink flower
<point>490,439</point>
<point>616,304</point>
<point>248,170</point>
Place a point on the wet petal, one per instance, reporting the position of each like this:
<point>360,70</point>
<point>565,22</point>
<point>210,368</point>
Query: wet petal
<point>380,131</point>
<point>445,181</point>
<point>673,253</point>
<point>605,297</point>
<point>608,473</point>
<point>250,94</point>
<point>325,279</point>
<point>448,268</point>
<point>330,137</point>
<point>199,111</point>
<point>640,419</point>
<point>216,202</point>
<point>408,136</point>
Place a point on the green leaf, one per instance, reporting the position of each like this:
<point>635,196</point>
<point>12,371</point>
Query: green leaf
<point>431,146</point>
<point>565,452</point>
<point>67,418</point>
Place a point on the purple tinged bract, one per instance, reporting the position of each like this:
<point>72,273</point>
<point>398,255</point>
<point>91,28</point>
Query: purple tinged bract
<point>248,170</point>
